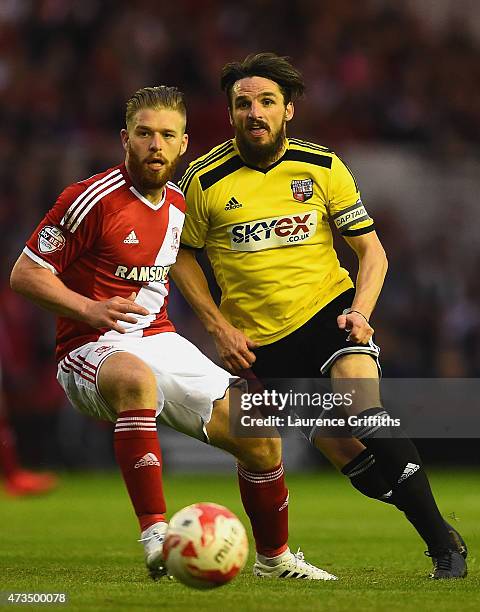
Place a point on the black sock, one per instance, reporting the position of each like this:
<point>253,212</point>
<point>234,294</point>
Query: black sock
<point>401,467</point>
<point>366,477</point>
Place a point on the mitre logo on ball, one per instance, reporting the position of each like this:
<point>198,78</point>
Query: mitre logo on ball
<point>205,546</point>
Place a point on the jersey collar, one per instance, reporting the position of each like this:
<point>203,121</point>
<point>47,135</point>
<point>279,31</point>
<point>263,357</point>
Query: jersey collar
<point>138,195</point>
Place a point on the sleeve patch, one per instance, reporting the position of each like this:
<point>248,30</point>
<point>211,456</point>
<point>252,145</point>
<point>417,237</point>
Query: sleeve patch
<point>50,239</point>
<point>350,216</point>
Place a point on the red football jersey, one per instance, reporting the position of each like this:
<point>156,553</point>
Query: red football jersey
<point>103,238</point>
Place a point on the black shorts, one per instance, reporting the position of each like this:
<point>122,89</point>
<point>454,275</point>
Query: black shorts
<point>311,350</point>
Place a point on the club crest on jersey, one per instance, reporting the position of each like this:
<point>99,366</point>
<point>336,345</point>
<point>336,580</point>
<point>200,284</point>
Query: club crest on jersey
<point>50,239</point>
<point>302,189</point>
<point>175,239</point>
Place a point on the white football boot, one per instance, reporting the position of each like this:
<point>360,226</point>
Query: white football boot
<point>152,540</point>
<point>289,565</point>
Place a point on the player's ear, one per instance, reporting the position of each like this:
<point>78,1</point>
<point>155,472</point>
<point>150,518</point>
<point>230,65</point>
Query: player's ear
<point>184,145</point>
<point>230,118</point>
<point>289,111</point>
<point>124,137</point>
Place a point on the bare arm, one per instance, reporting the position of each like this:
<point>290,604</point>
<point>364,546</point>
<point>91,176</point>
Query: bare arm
<point>47,290</point>
<point>372,267</point>
<point>232,345</point>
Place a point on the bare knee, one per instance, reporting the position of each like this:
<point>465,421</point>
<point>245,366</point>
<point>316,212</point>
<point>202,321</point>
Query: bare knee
<point>355,366</point>
<point>126,382</point>
<point>256,454</point>
<point>259,454</point>
<point>339,451</point>
<point>356,377</point>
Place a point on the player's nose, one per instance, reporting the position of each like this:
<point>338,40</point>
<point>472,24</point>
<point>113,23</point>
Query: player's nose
<point>255,110</point>
<point>155,143</point>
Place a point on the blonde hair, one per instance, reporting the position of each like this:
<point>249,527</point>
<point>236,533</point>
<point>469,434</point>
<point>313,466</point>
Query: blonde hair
<point>155,98</point>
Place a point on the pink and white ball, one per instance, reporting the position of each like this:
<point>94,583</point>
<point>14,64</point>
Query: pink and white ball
<point>205,546</point>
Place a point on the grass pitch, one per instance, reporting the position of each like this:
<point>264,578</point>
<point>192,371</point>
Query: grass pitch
<point>82,540</point>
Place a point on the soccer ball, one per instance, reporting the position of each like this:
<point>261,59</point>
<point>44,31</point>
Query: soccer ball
<point>205,546</point>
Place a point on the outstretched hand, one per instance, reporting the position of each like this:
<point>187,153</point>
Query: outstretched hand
<point>108,313</point>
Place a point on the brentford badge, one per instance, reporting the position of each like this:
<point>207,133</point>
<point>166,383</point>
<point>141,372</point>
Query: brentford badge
<point>50,239</point>
<point>302,189</point>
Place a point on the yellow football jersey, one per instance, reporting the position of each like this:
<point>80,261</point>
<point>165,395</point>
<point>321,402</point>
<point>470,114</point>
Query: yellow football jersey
<point>267,233</point>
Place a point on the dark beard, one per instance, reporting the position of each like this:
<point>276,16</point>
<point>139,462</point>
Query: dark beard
<point>145,182</point>
<point>260,155</point>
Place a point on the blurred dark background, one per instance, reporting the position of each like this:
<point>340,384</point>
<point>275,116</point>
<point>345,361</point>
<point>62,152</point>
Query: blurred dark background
<point>393,87</point>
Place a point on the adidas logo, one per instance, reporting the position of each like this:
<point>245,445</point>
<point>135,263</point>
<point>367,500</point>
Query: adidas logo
<point>131,238</point>
<point>285,503</point>
<point>148,459</point>
<point>410,469</point>
<point>232,204</point>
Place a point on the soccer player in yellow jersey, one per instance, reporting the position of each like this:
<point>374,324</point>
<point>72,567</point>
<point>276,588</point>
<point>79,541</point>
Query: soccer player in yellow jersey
<point>261,206</point>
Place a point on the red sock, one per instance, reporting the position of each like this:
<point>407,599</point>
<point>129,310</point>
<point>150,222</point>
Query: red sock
<point>265,499</point>
<point>138,454</point>
<point>8,452</point>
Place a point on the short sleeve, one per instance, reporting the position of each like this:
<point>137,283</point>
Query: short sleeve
<point>344,202</point>
<point>55,247</point>
<point>196,225</point>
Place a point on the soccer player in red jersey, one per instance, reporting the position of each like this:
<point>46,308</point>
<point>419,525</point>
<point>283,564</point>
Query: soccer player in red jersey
<point>119,358</point>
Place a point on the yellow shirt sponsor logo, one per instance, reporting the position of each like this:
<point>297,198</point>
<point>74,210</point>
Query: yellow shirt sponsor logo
<point>273,232</point>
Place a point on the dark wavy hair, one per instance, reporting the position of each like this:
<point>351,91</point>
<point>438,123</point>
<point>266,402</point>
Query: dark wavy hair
<point>267,65</point>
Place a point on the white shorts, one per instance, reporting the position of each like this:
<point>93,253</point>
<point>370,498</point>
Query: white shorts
<point>187,382</point>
